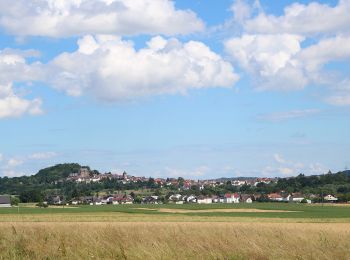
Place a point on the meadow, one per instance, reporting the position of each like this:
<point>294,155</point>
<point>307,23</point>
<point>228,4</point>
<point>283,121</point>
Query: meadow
<point>220,231</point>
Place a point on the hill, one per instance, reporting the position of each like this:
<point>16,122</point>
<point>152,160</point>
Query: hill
<point>57,172</point>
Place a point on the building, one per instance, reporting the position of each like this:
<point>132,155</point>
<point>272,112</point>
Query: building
<point>275,197</point>
<point>5,201</point>
<point>204,200</point>
<point>231,198</point>
<point>330,198</point>
<point>84,172</point>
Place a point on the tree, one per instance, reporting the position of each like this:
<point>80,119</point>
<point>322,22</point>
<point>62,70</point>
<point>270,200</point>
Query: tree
<point>14,201</point>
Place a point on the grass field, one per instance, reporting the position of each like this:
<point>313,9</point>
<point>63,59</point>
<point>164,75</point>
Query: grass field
<point>220,231</point>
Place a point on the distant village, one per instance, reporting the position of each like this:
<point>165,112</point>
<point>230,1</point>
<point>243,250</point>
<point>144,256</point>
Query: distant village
<point>178,197</point>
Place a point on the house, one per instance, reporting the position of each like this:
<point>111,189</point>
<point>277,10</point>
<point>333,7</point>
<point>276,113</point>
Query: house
<point>246,198</point>
<point>216,199</point>
<point>191,199</point>
<point>228,198</point>
<point>175,198</point>
<point>330,198</point>
<point>5,201</point>
<point>275,197</point>
<point>150,200</point>
<point>231,198</point>
<point>75,202</point>
<point>204,200</point>
<point>98,202</point>
<point>295,197</point>
<point>235,197</point>
<point>55,200</point>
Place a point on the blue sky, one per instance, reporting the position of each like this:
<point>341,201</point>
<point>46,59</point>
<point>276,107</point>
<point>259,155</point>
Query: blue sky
<point>198,89</point>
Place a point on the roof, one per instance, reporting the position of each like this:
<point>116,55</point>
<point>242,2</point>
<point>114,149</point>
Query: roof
<point>274,196</point>
<point>5,200</point>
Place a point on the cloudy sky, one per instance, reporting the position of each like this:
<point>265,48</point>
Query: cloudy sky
<point>199,89</point>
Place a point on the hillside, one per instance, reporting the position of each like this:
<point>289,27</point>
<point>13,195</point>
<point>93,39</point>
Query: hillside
<point>57,172</point>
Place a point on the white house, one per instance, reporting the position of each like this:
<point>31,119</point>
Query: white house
<point>191,199</point>
<point>330,198</point>
<point>275,197</point>
<point>231,198</point>
<point>296,197</point>
<point>204,200</point>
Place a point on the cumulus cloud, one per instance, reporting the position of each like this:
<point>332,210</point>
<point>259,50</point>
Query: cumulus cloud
<point>112,69</point>
<point>270,59</point>
<point>13,162</point>
<point>292,51</point>
<point>284,167</point>
<point>311,19</point>
<point>13,68</point>
<point>59,18</point>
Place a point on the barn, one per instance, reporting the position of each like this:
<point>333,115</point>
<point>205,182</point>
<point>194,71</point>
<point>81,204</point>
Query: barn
<point>5,201</point>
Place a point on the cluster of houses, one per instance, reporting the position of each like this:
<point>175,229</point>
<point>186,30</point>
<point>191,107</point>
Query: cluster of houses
<point>86,176</point>
<point>227,198</point>
<point>92,200</point>
<point>118,199</point>
<point>298,197</point>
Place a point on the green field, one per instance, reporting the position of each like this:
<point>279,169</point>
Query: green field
<point>186,212</point>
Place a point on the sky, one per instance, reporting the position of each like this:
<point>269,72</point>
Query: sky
<point>197,89</point>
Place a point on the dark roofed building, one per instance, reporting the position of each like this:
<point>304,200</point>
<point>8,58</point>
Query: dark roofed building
<point>5,201</point>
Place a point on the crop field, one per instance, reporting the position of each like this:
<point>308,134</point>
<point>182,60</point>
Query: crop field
<point>192,231</point>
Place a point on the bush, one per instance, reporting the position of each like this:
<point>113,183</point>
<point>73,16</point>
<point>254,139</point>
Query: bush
<point>42,205</point>
<point>303,201</point>
<point>14,201</point>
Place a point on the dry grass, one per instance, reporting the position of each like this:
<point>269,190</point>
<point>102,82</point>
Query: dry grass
<point>174,240</point>
<point>127,217</point>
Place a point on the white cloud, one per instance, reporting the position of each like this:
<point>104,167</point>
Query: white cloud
<point>13,173</point>
<point>13,68</point>
<point>311,19</point>
<point>42,156</point>
<point>270,59</point>
<point>1,157</point>
<point>14,162</point>
<point>281,116</point>
<point>285,167</point>
<point>278,158</point>
<point>241,10</point>
<point>59,18</point>
<point>14,106</point>
<point>271,48</point>
<point>112,69</point>
<point>195,173</point>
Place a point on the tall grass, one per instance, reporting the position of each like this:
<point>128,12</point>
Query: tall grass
<point>174,240</point>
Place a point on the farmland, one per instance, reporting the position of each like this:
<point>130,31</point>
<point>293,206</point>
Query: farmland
<point>236,231</point>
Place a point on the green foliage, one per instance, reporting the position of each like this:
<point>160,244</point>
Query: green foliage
<point>14,201</point>
<point>57,172</point>
<point>31,196</point>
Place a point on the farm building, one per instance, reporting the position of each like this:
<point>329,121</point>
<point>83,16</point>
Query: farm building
<point>5,201</point>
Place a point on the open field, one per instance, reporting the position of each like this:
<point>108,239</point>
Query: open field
<point>188,212</point>
<point>239,231</point>
<point>206,240</point>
